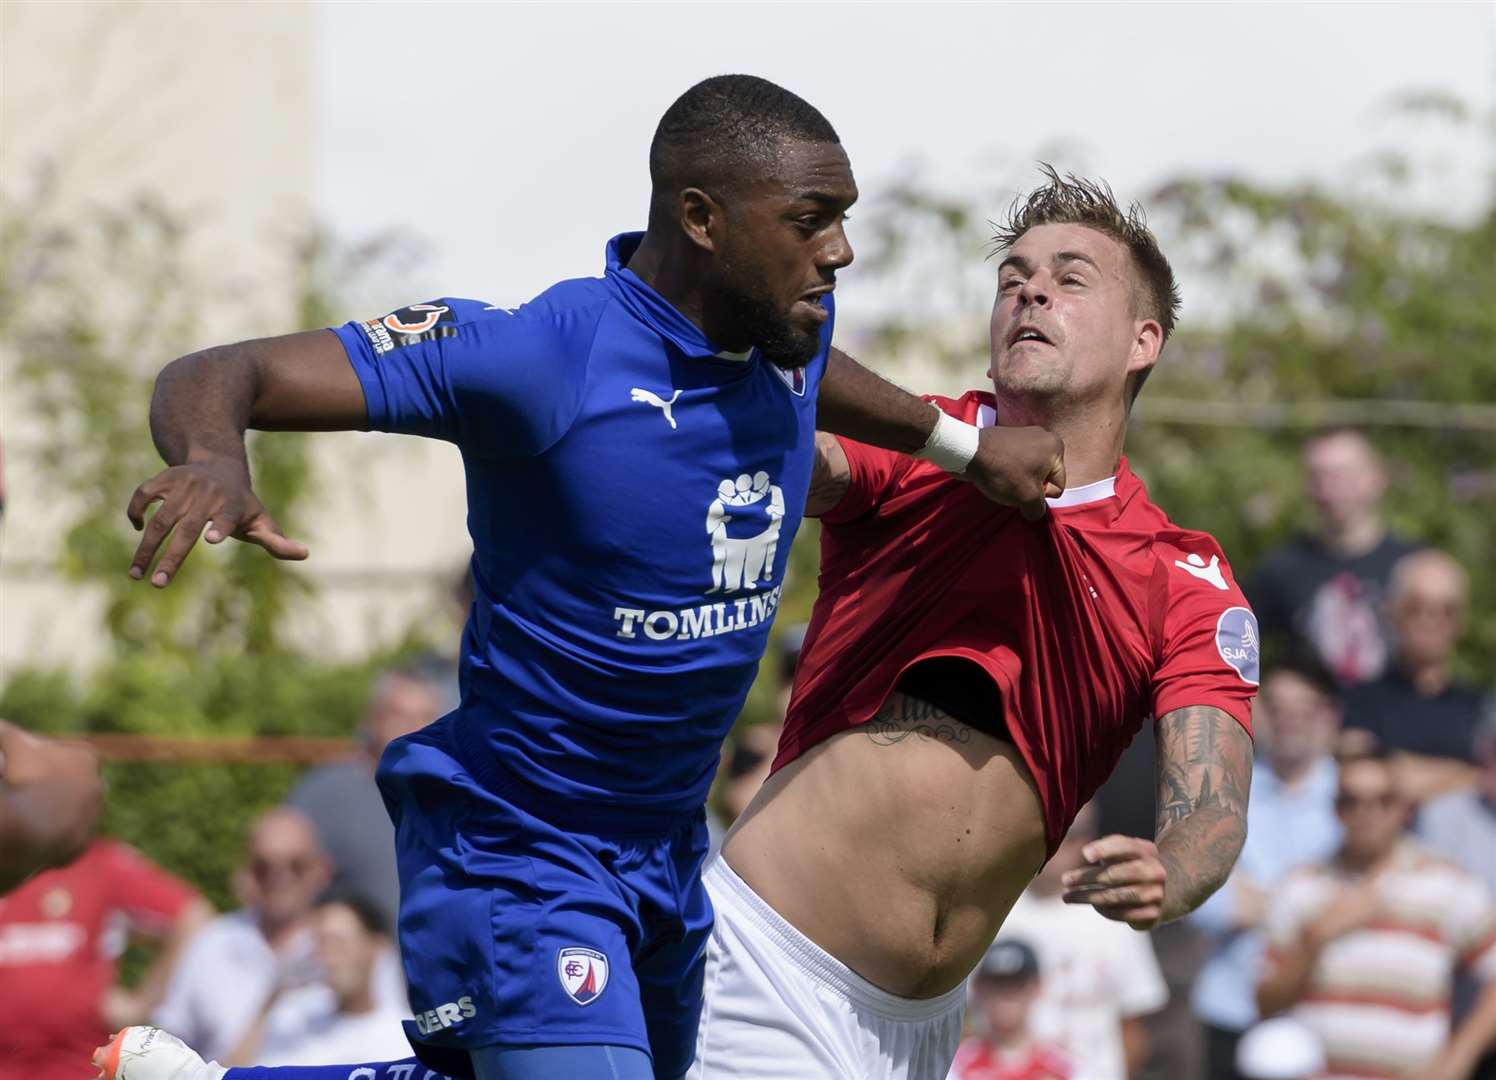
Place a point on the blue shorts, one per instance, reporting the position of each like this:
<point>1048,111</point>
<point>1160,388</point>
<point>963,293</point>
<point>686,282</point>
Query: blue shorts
<point>515,932</point>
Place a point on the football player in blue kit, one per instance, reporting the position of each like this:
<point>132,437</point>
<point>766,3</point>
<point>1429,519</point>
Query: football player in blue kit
<point>637,450</point>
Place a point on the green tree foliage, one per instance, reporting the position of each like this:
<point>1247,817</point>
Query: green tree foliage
<point>206,657</point>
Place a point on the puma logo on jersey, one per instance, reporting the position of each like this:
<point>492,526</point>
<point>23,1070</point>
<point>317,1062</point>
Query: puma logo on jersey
<point>1195,566</point>
<point>649,397</point>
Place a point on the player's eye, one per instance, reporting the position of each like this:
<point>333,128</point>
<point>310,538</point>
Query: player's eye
<point>1010,284</point>
<point>1072,279</point>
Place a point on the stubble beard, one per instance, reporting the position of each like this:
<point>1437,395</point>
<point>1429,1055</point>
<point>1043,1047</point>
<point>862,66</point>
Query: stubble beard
<point>762,322</point>
<point>1034,385</point>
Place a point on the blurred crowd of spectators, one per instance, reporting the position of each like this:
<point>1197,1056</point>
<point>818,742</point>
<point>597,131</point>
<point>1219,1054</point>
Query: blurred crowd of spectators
<point>1356,937</point>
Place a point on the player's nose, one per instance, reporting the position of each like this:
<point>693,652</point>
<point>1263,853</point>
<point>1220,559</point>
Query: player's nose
<point>1034,290</point>
<point>837,251</point>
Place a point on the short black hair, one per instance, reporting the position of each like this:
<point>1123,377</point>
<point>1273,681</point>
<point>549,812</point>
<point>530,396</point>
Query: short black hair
<point>368,914</point>
<point>722,127</point>
<point>1372,752</point>
<point>1310,669</point>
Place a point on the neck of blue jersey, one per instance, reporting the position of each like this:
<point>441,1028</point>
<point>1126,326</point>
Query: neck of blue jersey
<point>652,309</point>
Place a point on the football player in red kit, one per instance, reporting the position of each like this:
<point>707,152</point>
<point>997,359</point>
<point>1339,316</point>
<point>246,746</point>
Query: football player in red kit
<point>968,681</point>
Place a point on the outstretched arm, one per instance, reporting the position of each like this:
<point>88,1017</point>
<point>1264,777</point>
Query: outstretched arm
<point>1015,466</point>
<point>201,408</point>
<point>1204,764</point>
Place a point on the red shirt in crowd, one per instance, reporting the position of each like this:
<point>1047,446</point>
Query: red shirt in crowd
<point>61,934</point>
<point>977,1059</point>
<point>1101,614</point>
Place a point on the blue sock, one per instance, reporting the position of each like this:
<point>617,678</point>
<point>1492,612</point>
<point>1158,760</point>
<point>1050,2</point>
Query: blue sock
<point>404,1069</point>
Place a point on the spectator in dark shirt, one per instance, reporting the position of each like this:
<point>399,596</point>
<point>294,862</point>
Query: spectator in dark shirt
<point>1418,711</point>
<point>1321,591</point>
<point>341,798</point>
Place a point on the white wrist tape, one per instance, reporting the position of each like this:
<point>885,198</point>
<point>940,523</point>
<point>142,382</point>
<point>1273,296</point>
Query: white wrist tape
<point>952,444</point>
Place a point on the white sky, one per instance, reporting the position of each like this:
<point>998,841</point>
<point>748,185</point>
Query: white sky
<point>512,138</point>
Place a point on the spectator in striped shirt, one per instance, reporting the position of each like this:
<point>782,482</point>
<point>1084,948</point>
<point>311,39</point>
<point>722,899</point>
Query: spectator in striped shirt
<point>1363,948</point>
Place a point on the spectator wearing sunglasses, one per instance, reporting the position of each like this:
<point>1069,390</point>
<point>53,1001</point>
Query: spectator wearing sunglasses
<point>1363,947</point>
<point>1418,710</point>
<point>240,959</point>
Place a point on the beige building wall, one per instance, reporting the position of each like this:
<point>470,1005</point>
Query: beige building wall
<point>211,108</point>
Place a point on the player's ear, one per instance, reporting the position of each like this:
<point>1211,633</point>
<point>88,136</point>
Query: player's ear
<point>700,218</point>
<point>1147,342</point>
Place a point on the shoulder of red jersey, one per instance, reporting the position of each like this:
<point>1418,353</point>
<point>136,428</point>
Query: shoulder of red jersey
<point>1194,557</point>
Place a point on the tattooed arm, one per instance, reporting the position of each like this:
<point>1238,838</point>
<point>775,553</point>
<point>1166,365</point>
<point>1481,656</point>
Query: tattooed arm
<point>1204,772</point>
<point>829,477</point>
<point>1204,764</point>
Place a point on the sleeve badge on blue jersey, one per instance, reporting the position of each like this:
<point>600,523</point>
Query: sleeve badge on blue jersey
<point>1238,643</point>
<point>409,326</point>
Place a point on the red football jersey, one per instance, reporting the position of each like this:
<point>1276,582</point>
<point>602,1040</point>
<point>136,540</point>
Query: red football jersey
<point>60,936</point>
<point>976,1060</point>
<point>1101,614</point>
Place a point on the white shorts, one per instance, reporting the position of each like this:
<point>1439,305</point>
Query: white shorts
<point>779,1007</point>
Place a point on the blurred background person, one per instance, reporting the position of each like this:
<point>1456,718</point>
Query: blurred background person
<point>1321,591</point>
<point>1362,947</point>
<point>50,798</point>
<point>1290,820</point>
<point>341,798</point>
<point>339,1016</point>
<point>1280,1049</point>
<point>1461,826</point>
<point>61,936</point>
<point>1417,709</point>
<point>1101,978</point>
<point>238,959</point>
<point>1002,1045</point>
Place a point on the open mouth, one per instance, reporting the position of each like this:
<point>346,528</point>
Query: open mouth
<point>1027,333</point>
<point>814,310</point>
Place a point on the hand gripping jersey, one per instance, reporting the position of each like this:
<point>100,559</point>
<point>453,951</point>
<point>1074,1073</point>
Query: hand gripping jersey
<point>1101,614</point>
<point>632,498</point>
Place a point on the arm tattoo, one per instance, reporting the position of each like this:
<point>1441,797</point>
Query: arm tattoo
<point>902,716</point>
<point>1204,773</point>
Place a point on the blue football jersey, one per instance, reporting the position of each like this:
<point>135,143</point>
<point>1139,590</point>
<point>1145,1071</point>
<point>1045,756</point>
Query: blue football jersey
<point>632,496</point>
